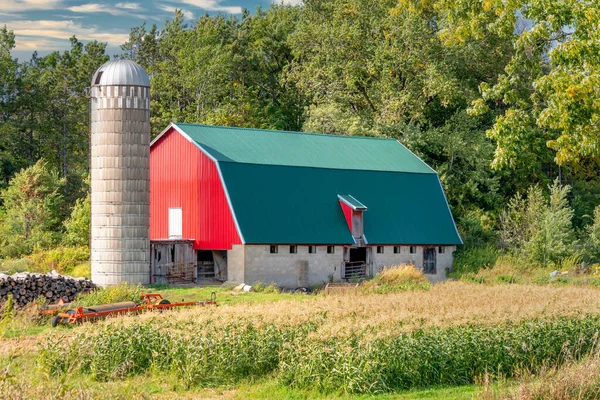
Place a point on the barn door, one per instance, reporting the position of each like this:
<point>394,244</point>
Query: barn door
<point>429,260</point>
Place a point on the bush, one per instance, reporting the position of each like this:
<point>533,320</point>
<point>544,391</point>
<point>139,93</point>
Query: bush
<point>472,259</point>
<point>260,286</point>
<point>11,265</point>
<point>397,278</point>
<point>83,270</point>
<point>61,259</point>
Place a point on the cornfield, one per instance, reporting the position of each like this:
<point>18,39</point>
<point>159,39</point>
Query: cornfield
<point>357,363</point>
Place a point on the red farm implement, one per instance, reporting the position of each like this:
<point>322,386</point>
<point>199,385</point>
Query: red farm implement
<point>150,301</point>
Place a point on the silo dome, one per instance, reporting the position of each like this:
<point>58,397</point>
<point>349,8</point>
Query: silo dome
<point>121,72</point>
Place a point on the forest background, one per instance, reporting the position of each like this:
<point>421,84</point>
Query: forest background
<point>501,98</point>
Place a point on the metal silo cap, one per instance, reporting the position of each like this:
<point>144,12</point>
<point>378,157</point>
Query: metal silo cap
<point>121,72</point>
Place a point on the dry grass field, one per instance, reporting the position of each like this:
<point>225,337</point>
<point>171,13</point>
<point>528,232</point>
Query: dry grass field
<point>444,305</point>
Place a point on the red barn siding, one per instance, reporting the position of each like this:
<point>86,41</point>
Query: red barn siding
<point>347,214</point>
<point>181,175</point>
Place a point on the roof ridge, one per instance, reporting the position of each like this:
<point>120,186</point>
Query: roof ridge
<point>290,132</point>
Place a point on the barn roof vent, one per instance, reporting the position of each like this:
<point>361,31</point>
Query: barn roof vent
<point>121,72</point>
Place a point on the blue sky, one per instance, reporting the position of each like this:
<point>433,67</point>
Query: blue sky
<point>47,25</point>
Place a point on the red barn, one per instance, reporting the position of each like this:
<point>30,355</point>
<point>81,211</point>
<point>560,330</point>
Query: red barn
<point>296,209</point>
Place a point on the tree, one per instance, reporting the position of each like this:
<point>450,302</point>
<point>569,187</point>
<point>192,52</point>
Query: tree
<point>546,91</point>
<point>77,227</point>
<point>540,229</point>
<point>32,203</point>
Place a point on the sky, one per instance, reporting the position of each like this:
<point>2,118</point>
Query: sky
<point>46,25</point>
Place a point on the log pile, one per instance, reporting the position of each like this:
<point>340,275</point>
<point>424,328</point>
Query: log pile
<point>26,287</point>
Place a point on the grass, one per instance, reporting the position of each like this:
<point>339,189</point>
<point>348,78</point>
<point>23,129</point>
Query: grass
<point>225,294</point>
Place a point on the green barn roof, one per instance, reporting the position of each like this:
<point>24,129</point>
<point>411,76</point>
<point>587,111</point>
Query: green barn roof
<point>284,187</point>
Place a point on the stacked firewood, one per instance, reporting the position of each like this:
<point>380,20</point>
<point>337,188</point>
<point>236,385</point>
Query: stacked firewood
<point>26,288</point>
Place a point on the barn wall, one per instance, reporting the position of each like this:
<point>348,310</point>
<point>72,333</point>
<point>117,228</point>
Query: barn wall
<point>388,258</point>
<point>181,175</point>
<point>281,268</point>
<point>236,262</point>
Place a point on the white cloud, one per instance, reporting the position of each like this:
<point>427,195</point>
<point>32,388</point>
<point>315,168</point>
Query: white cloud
<point>128,6</point>
<point>25,5</point>
<point>96,8</point>
<point>30,33</point>
<point>187,14</point>
<point>118,9</point>
<point>288,2</point>
<point>213,5</point>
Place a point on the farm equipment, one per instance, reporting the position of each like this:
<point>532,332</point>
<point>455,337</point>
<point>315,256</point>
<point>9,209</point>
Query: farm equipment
<point>149,301</point>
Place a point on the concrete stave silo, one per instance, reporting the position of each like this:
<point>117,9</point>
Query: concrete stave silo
<point>120,151</point>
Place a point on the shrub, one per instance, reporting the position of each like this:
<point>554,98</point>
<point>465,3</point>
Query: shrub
<point>472,259</point>
<point>83,270</point>
<point>260,286</point>
<point>12,265</point>
<point>397,278</point>
<point>61,259</point>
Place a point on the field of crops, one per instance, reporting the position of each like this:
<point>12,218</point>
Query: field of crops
<point>452,335</point>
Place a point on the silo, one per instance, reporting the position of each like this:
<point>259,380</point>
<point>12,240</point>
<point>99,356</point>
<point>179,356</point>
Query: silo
<point>120,151</point>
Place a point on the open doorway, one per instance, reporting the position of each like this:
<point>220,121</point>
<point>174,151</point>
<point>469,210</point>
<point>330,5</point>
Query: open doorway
<point>205,263</point>
<point>355,263</point>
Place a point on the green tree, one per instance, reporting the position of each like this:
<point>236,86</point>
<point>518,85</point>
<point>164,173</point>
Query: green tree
<point>547,91</point>
<point>554,237</point>
<point>77,227</point>
<point>33,203</point>
<point>592,238</point>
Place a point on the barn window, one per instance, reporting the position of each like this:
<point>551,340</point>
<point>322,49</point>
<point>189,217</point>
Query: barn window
<point>396,249</point>
<point>441,249</point>
<point>413,249</point>
<point>330,249</point>
<point>293,249</point>
<point>312,249</point>
<point>273,249</point>
<point>380,249</point>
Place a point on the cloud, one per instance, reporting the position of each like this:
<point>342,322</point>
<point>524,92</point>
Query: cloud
<point>119,9</point>
<point>25,5</point>
<point>96,8</point>
<point>288,2</point>
<point>187,14</point>
<point>31,32</point>
<point>213,5</point>
<point>128,6</point>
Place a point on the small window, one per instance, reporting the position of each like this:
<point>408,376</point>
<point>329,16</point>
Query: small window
<point>330,249</point>
<point>441,249</point>
<point>274,249</point>
<point>396,249</point>
<point>312,249</point>
<point>293,249</point>
<point>97,81</point>
<point>380,249</point>
<point>413,249</point>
